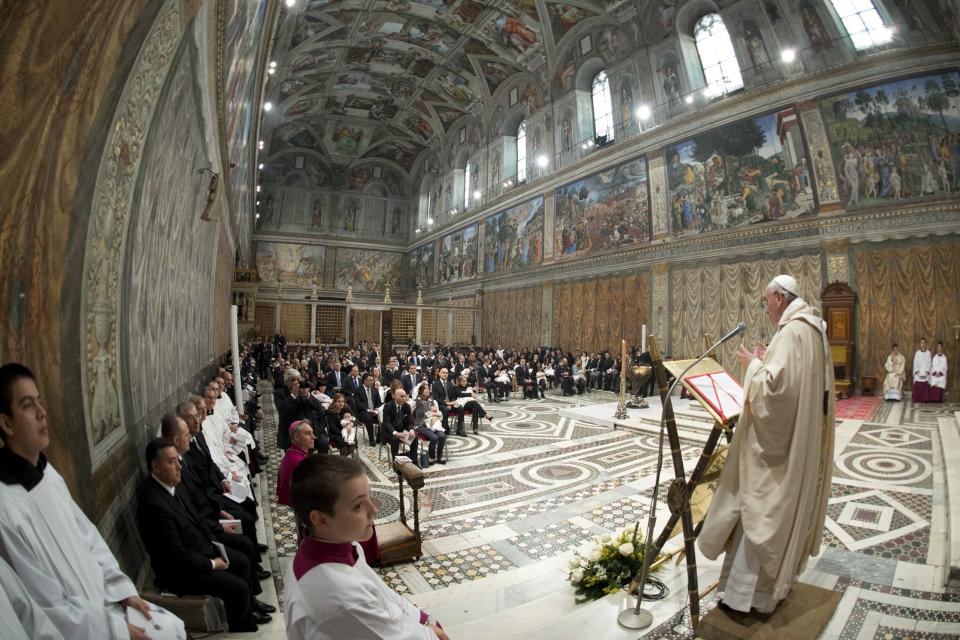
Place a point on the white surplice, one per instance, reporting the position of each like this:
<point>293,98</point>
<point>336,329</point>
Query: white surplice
<point>921,366</point>
<point>938,371</point>
<point>62,560</point>
<point>22,617</point>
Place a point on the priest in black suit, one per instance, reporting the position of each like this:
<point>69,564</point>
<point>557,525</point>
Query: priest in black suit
<point>182,553</point>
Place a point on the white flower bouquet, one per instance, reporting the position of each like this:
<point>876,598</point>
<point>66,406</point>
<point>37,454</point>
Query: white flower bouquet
<point>609,565</point>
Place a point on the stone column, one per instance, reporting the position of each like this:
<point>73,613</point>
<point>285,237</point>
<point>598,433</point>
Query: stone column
<point>546,313</point>
<point>660,307</point>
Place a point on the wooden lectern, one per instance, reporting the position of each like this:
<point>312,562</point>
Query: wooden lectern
<point>689,498</point>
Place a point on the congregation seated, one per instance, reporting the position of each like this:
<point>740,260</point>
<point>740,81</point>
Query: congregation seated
<point>397,425</point>
<point>184,553</point>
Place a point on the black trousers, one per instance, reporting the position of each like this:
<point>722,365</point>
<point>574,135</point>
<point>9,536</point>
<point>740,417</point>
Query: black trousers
<point>232,586</point>
<point>368,421</point>
<point>248,523</point>
<point>242,544</point>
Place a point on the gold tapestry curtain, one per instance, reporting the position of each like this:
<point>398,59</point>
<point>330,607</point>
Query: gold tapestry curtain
<point>906,293</point>
<point>594,315</point>
<point>709,300</point>
<point>512,318</point>
<point>364,325</point>
<point>265,319</point>
<point>295,322</point>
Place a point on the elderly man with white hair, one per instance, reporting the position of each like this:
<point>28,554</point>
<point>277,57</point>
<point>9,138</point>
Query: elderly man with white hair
<point>294,402</point>
<point>770,505</point>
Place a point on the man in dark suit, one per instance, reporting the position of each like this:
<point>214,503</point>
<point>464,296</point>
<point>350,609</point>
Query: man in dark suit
<point>442,391</point>
<point>335,379</point>
<point>295,403</point>
<point>411,379</point>
<point>351,388</point>
<point>368,399</point>
<point>182,552</point>
<point>397,418</point>
<point>175,429</point>
<point>392,372</point>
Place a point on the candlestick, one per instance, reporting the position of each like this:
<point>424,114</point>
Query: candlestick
<point>621,412</point>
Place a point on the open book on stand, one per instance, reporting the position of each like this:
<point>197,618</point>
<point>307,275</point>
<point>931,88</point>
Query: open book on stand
<point>720,391</point>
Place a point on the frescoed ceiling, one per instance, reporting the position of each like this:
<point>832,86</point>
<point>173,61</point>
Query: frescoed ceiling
<point>386,79</point>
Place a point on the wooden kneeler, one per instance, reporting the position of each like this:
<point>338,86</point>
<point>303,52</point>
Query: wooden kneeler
<point>398,542</point>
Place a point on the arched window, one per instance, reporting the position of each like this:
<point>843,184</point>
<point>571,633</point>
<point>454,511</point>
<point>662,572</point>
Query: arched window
<point>602,107</point>
<point>522,152</point>
<point>466,187</point>
<point>717,58</point>
<point>862,22</point>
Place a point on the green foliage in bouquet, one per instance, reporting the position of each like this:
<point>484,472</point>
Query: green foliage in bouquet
<point>611,563</point>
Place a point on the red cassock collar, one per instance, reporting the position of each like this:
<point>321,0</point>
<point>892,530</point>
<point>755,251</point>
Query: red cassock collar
<point>315,552</point>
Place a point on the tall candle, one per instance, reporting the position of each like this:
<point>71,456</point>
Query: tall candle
<point>643,338</point>
<point>623,359</point>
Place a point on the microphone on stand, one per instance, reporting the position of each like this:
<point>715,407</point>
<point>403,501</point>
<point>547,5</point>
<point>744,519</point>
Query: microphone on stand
<point>638,618</point>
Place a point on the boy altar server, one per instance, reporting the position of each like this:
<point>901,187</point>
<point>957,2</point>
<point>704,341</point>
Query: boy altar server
<point>332,592</point>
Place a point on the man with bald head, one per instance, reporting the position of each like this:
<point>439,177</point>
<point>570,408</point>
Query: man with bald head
<point>770,504</point>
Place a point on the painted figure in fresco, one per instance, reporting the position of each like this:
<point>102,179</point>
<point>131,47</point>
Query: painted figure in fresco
<point>566,133</point>
<point>850,175</point>
<point>671,81</point>
<point>667,10</point>
<point>514,33</point>
<point>755,46</point>
<point>316,218</point>
<point>395,222</point>
<point>530,100</point>
<point>350,216</point>
<point>813,25</point>
<point>626,105</point>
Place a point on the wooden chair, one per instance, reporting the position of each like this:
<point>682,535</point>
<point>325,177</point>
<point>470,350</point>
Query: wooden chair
<point>841,369</point>
<point>398,542</point>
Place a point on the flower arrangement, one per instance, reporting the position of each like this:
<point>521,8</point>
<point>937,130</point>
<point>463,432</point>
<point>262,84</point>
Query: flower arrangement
<point>611,563</point>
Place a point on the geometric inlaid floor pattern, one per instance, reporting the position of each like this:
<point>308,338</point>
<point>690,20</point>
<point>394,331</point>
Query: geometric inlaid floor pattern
<point>534,485</point>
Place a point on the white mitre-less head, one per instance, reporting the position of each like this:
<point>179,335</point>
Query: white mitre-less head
<point>787,283</point>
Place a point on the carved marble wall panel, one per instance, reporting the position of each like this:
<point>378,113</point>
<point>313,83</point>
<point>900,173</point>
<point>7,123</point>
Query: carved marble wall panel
<point>171,254</point>
<point>108,227</point>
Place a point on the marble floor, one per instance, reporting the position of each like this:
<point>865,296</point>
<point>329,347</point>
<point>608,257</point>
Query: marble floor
<point>502,519</point>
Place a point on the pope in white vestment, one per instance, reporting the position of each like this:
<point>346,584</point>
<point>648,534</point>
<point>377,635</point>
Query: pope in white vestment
<point>770,504</point>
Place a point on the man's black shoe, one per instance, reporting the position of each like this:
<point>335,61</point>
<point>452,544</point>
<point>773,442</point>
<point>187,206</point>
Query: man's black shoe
<point>262,548</point>
<point>262,574</point>
<point>260,618</point>
<point>263,607</point>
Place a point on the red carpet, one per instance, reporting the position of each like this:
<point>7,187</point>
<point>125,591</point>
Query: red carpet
<point>858,407</point>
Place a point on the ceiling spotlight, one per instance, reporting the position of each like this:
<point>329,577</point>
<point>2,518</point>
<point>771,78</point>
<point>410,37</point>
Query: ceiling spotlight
<point>788,55</point>
<point>429,220</point>
<point>290,3</point>
<point>644,113</point>
<point>542,161</point>
<point>689,98</point>
<point>260,166</point>
<point>477,195</point>
<point>258,216</point>
<point>590,142</point>
<point>271,70</point>
<point>267,106</point>
<point>258,203</point>
<point>260,144</point>
<point>418,230</point>
<point>273,63</point>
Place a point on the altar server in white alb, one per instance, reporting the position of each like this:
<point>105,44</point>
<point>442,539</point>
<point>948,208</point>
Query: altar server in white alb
<point>893,382</point>
<point>55,550</point>
<point>938,375</point>
<point>770,505</point>
<point>921,373</point>
<point>22,617</point>
<point>330,591</point>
